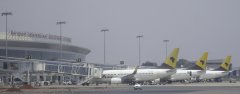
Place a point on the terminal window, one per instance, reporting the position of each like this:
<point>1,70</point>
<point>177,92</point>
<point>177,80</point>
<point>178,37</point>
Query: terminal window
<point>5,66</point>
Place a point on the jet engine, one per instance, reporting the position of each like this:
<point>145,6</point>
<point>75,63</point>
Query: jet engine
<point>116,81</point>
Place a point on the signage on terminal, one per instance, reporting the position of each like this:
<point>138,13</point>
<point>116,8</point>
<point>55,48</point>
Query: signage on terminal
<point>39,36</point>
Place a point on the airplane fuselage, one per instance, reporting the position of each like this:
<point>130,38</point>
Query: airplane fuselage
<point>211,74</point>
<point>141,75</point>
<point>182,74</point>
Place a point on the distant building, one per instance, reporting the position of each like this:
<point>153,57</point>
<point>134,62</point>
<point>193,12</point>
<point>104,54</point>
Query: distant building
<point>43,57</point>
<point>148,63</point>
<point>235,73</point>
<point>183,63</point>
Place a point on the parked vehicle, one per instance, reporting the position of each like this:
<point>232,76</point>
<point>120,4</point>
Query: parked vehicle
<point>137,87</point>
<point>86,83</point>
<point>231,80</point>
<point>67,82</point>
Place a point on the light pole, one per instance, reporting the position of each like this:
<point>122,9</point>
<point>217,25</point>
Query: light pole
<point>6,42</point>
<point>139,45</point>
<point>104,44</point>
<point>28,68</point>
<point>166,41</point>
<point>60,24</point>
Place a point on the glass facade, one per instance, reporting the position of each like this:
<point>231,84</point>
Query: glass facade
<point>41,55</point>
<point>42,51</point>
<point>51,68</point>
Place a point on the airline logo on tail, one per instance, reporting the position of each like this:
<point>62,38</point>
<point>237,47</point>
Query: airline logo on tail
<point>202,62</point>
<point>172,58</point>
<point>226,63</point>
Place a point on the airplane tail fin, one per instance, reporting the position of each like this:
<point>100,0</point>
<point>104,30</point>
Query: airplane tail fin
<point>225,66</point>
<point>201,63</point>
<point>171,60</point>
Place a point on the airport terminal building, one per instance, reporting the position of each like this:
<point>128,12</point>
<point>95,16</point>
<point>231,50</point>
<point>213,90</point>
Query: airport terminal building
<point>35,57</point>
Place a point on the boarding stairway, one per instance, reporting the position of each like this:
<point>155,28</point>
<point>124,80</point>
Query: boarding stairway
<point>86,81</point>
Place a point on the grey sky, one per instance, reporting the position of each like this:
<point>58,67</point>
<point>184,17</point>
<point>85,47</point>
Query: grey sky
<point>195,26</point>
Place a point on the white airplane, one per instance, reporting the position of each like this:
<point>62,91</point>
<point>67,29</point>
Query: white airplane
<point>193,72</point>
<point>223,70</point>
<point>135,75</point>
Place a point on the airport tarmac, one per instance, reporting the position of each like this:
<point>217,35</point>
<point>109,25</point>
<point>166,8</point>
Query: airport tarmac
<point>153,89</point>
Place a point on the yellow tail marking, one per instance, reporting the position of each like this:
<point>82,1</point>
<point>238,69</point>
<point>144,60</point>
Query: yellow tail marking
<point>226,63</point>
<point>172,58</point>
<point>202,62</point>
